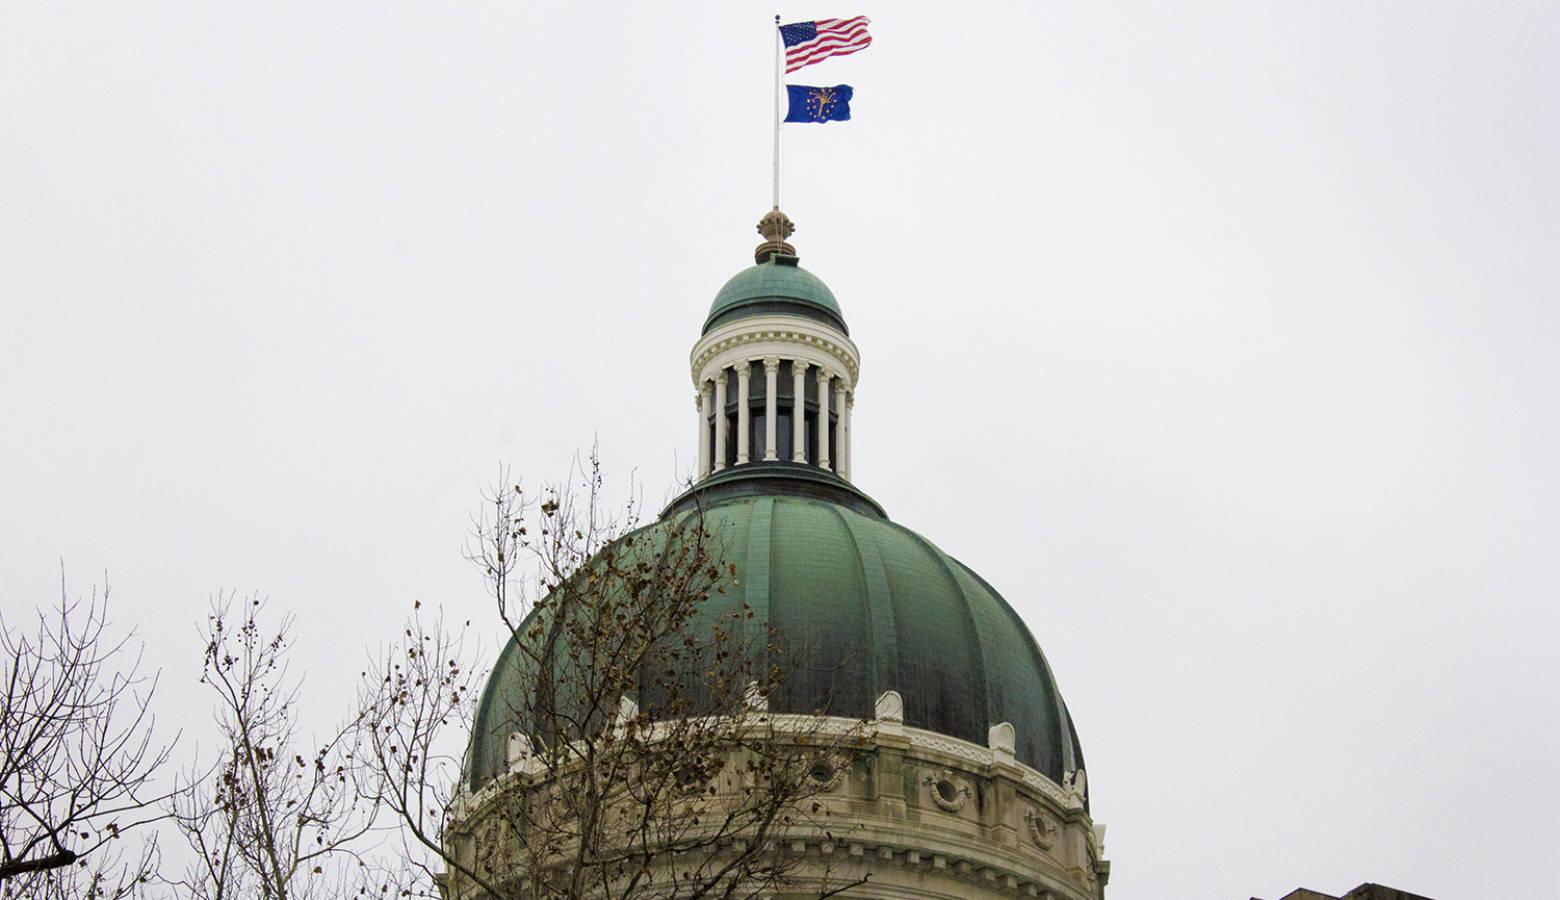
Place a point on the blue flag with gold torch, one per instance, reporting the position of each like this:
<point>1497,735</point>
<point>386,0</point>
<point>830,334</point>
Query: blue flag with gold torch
<point>818,104</point>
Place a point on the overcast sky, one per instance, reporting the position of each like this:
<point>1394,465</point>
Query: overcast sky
<point>1218,336</point>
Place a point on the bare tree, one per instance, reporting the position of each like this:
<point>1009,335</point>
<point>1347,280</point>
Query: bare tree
<point>644,761</point>
<point>272,817</point>
<point>416,704</point>
<point>77,759</point>
<point>120,871</point>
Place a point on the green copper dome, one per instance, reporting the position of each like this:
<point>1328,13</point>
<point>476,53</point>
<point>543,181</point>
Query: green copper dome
<point>878,608</point>
<point>778,286</point>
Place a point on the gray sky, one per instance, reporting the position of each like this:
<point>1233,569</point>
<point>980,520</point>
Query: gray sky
<point>1217,336</point>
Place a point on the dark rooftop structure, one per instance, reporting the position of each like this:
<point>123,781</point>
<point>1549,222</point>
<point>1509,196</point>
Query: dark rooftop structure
<point>1367,891</point>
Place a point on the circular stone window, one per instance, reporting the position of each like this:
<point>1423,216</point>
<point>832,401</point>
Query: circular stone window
<point>825,775</point>
<point>1042,830</point>
<point>948,791</point>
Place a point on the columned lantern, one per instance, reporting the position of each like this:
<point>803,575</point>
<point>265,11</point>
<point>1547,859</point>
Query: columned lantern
<point>775,367</point>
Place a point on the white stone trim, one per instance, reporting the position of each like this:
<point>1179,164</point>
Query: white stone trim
<point>704,428</point>
<point>889,707</point>
<point>771,406</point>
<point>786,337</point>
<point>1029,842</point>
<point>744,375</point>
<point>850,434</point>
<point>719,378</point>
<point>841,449</point>
<point>798,411</point>
<point>824,377</point>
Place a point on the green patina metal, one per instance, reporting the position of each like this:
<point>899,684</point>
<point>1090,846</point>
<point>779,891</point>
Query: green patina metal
<point>775,288</point>
<point>880,604</point>
<point>862,606</point>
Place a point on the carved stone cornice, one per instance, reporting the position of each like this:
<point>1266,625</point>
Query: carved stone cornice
<point>1034,842</point>
<point>783,337</point>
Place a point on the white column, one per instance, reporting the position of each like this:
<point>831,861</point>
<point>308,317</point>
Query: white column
<point>702,401</point>
<point>798,411</point>
<point>850,434</point>
<point>720,419</point>
<point>744,372</point>
<point>841,451</point>
<point>823,418</point>
<point>771,406</point>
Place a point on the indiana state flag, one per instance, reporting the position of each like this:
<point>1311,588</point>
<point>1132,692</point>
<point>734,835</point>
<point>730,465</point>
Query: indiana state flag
<point>819,104</point>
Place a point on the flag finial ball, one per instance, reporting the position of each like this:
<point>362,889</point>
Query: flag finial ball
<point>775,226</point>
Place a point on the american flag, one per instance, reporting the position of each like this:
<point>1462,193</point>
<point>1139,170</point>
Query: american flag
<point>810,42</point>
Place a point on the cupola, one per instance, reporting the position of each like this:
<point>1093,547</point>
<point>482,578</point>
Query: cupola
<point>775,368</point>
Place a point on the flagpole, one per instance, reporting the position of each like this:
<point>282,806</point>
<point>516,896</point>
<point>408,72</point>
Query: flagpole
<point>777,110</point>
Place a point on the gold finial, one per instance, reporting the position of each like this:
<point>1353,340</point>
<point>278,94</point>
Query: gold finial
<point>775,226</point>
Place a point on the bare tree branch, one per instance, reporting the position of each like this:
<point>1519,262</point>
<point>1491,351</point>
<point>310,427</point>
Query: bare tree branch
<point>77,758</point>
<point>645,762</point>
<point>272,816</point>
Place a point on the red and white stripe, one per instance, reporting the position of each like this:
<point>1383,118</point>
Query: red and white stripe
<point>836,37</point>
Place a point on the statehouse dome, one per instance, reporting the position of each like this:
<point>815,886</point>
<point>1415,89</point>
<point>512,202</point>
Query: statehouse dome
<point>872,605</point>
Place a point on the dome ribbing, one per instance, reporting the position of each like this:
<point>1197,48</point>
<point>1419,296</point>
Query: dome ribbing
<point>867,606</point>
